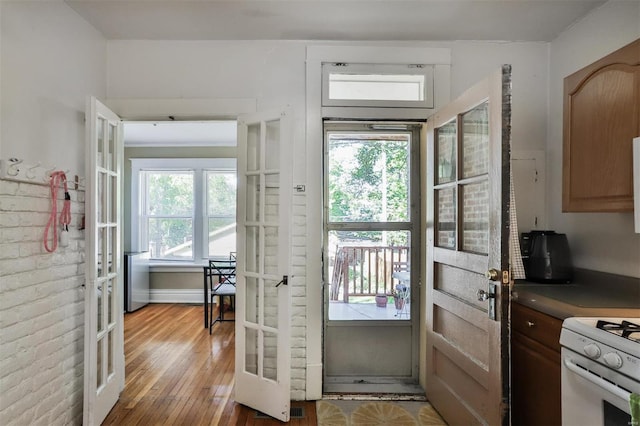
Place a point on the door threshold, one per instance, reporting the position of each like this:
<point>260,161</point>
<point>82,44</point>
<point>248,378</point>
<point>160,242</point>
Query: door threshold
<point>374,397</point>
<point>391,389</point>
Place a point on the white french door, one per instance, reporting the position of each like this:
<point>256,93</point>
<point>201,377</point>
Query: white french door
<point>263,353</point>
<point>103,308</point>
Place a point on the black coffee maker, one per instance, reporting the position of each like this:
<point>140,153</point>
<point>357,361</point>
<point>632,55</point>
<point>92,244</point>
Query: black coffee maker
<point>546,257</point>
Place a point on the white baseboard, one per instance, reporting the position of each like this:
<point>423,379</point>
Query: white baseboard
<point>176,296</point>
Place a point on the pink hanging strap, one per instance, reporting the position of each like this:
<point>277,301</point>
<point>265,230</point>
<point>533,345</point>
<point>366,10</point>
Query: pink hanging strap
<point>56,179</point>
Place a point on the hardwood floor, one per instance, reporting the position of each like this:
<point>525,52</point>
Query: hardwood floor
<point>177,374</point>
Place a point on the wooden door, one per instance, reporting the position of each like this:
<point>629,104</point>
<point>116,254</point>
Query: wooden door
<point>103,308</point>
<point>263,322</point>
<point>467,254</point>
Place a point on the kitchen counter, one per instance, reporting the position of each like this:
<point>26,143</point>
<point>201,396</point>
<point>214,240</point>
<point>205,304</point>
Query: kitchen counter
<point>591,293</point>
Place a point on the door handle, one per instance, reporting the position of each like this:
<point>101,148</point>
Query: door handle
<point>284,280</point>
<point>484,295</point>
<point>493,274</point>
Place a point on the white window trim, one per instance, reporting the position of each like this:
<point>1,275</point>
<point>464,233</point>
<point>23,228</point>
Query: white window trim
<point>378,69</point>
<point>199,165</point>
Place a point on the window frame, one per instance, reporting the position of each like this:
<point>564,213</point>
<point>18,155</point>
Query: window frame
<point>200,167</point>
<point>378,69</point>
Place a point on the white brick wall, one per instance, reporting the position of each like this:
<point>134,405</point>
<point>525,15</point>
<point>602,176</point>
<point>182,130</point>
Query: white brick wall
<point>299,299</point>
<point>41,311</point>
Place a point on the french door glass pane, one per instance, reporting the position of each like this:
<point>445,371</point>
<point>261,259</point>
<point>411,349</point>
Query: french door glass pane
<point>110,352</point>
<point>475,217</point>
<point>446,218</point>
<point>364,264</point>
<point>252,249</point>
<point>251,351</point>
<point>100,217</point>
<point>99,373</point>
<point>252,305</point>
<point>253,147</point>
<point>446,149</point>
<point>111,157</point>
<point>270,364</point>
<point>253,198</point>
<point>99,297</point>
<point>272,148</point>
<point>475,141</point>
<point>368,177</point>
<point>100,149</point>
<point>270,303</point>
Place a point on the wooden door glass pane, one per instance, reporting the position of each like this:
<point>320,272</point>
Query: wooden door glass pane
<point>475,217</point>
<point>253,147</point>
<point>252,305</point>
<point>251,351</point>
<point>253,198</point>
<point>271,250</point>
<point>100,236</point>
<point>446,150</point>
<point>272,145</point>
<point>475,141</point>
<point>270,359</point>
<point>446,217</point>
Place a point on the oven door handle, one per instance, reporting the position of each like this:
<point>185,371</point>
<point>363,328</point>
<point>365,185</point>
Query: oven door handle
<point>596,380</point>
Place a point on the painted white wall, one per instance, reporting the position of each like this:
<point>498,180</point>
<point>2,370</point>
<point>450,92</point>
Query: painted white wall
<point>600,241</point>
<point>51,60</point>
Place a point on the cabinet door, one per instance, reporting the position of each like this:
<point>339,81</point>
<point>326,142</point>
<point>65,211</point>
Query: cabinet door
<point>601,118</point>
<point>535,375</point>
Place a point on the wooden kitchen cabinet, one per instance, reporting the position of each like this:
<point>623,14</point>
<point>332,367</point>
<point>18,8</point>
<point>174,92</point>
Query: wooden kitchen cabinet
<point>601,118</point>
<point>535,367</point>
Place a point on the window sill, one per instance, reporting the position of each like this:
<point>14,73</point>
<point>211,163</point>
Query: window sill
<point>191,267</point>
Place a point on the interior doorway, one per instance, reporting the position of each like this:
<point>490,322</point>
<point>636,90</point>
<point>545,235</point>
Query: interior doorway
<point>371,239</point>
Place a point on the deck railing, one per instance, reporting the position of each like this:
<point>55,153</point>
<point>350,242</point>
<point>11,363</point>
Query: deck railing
<point>366,270</point>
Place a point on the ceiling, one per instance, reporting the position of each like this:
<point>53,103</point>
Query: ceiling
<point>352,20</point>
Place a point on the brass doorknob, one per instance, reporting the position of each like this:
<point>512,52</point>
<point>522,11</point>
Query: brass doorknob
<point>493,274</point>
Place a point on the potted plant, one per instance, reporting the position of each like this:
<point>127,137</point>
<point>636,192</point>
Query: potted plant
<point>399,296</point>
<point>381,300</point>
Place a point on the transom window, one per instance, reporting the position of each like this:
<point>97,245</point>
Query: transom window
<point>184,209</point>
<point>377,85</point>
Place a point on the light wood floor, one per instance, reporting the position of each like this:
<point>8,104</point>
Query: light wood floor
<point>176,374</point>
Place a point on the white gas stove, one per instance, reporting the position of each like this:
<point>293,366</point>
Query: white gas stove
<point>600,370</point>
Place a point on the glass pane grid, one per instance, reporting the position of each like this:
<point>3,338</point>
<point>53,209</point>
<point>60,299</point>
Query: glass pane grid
<point>475,141</point>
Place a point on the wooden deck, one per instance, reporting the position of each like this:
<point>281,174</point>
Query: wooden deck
<point>177,374</point>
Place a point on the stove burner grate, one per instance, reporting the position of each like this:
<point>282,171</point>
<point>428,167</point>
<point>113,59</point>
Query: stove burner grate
<point>624,329</point>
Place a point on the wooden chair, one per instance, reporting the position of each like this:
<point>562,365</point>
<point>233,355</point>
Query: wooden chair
<point>221,276</point>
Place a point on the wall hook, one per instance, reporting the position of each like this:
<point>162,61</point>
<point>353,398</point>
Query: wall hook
<point>13,169</point>
<point>47,174</point>
<point>31,171</point>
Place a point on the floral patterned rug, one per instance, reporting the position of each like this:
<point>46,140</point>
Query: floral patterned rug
<point>373,413</point>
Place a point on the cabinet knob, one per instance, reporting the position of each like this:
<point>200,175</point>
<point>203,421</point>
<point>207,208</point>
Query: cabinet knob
<point>531,324</point>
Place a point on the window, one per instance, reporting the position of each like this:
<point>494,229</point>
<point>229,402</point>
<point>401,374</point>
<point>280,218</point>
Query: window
<point>184,209</point>
<point>377,85</point>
